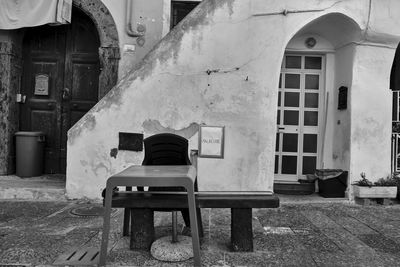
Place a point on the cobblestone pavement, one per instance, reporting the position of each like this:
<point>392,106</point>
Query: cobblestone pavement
<point>330,234</point>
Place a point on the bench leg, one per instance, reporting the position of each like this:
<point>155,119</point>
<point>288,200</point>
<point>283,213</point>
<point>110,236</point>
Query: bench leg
<point>127,216</point>
<point>127,219</point>
<point>241,229</point>
<point>142,228</point>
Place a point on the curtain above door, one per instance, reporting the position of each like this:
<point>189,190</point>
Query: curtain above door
<point>29,13</point>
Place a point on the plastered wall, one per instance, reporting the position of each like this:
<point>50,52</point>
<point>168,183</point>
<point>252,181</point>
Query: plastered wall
<point>370,116</point>
<point>149,14</point>
<point>340,120</point>
<point>221,67</point>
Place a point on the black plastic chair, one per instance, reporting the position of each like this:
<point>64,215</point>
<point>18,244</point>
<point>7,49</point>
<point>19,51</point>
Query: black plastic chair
<point>168,149</point>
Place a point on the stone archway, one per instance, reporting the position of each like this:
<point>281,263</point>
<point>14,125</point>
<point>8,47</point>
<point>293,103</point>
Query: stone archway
<point>109,45</point>
<point>11,72</point>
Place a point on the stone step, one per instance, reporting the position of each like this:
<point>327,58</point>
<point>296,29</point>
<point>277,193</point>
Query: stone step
<point>42,188</point>
<point>294,188</point>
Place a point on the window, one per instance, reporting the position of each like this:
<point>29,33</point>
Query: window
<point>179,10</point>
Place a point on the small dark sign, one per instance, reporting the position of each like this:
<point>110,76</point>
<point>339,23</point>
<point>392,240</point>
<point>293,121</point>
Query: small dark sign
<point>42,84</point>
<point>342,100</point>
<point>130,141</point>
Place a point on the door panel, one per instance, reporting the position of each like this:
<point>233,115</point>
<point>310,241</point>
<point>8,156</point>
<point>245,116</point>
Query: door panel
<point>82,72</point>
<point>68,55</point>
<point>83,87</point>
<point>299,98</point>
<point>43,57</point>
<point>80,92</point>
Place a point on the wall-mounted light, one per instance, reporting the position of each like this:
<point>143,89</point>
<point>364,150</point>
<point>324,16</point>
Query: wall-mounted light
<point>310,42</point>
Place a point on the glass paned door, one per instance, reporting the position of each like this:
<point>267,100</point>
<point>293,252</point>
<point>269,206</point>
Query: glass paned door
<point>300,99</point>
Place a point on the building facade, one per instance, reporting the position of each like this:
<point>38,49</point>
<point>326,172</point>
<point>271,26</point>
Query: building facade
<point>297,85</point>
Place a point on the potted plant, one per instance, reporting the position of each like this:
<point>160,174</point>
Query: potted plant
<point>383,188</point>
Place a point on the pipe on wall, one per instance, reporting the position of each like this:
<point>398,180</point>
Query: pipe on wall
<point>128,24</point>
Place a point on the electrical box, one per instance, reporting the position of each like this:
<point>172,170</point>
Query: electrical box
<point>130,141</point>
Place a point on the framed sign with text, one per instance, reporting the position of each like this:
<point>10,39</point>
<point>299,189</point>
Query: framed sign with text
<point>41,84</point>
<point>211,141</point>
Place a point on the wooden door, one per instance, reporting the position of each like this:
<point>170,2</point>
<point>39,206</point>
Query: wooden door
<point>60,82</point>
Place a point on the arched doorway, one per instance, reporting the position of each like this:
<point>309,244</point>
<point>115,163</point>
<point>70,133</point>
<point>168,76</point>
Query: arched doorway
<point>108,53</point>
<point>60,82</point>
<point>395,86</point>
<point>313,132</point>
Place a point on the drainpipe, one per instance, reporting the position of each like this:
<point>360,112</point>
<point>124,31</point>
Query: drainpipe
<point>128,25</point>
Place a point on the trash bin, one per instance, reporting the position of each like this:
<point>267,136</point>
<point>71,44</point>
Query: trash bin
<point>331,182</point>
<point>29,153</point>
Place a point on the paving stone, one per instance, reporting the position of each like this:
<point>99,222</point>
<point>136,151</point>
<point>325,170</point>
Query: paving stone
<point>349,222</point>
<point>12,210</point>
<point>381,243</point>
<point>327,234</point>
<point>316,242</point>
<point>348,243</point>
<point>390,259</point>
<point>217,239</point>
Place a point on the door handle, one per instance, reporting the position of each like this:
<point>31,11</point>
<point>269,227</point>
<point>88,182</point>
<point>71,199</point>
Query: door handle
<point>65,94</point>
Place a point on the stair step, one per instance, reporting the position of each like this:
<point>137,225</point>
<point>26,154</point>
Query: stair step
<point>43,188</point>
<point>294,189</point>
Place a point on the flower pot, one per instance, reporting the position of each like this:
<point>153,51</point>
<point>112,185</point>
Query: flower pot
<point>375,191</point>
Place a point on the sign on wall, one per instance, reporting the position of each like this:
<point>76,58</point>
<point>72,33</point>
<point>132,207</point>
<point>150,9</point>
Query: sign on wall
<point>42,84</point>
<point>211,141</point>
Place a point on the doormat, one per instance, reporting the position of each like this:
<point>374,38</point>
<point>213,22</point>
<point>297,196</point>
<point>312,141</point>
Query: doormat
<point>90,211</point>
<point>80,257</point>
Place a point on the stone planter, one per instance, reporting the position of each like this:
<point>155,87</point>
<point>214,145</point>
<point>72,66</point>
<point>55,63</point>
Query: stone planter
<point>375,191</point>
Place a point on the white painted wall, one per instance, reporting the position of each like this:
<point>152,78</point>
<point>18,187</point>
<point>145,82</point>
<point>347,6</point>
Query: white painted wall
<point>143,12</point>
<point>242,42</point>
<point>340,124</point>
<point>370,112</point>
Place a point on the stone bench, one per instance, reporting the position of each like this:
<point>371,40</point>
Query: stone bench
<point>141,205</point>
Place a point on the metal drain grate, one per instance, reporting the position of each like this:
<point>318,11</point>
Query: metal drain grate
<point>81,257</point>
<point>90,211</point>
